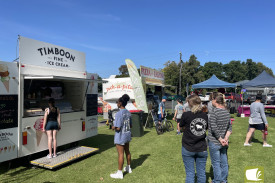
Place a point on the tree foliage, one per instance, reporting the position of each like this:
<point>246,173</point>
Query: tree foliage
<point>211,68</point>
<point>123,72</point>
<point>234,71</point>
<point>171,74</point>
<point>193,72</point>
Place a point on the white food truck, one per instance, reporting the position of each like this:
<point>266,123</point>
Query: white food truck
<point>44,71</point>
<point>112,89</point>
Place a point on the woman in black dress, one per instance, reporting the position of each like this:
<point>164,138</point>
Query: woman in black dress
<point>51,125</point>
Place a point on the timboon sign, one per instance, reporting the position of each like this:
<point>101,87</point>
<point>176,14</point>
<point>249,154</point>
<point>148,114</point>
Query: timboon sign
<point>38,53</point>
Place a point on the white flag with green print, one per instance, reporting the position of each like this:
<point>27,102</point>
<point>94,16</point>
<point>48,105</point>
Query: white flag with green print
<point>137,86</point>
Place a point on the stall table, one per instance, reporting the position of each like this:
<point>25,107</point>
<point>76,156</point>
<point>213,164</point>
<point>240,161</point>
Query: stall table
<point>245,109</point>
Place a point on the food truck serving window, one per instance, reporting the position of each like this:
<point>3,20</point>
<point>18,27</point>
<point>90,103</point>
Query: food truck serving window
<point>69,94</point>
<point>8,111</point>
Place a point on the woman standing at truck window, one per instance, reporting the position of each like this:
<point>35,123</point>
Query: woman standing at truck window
<point>122,125</point>
<point>51,125</point>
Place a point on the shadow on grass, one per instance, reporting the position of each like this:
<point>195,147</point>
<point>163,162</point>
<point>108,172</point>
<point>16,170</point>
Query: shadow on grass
<point>101,141</point>
<point>256,141</point>
<point>145,132</point>
<point>17,173</point>
<point>138,162</point>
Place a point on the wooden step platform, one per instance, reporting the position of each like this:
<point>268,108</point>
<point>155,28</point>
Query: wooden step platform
<point>64,157</point>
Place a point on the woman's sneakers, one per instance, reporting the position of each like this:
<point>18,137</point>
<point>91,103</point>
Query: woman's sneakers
<point>117,175</point>
<point>267,145</point>
<point>127,169</point>
<point>247,144</point>
<point>49,156</point>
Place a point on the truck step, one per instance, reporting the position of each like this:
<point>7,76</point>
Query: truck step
<point>64,157</point>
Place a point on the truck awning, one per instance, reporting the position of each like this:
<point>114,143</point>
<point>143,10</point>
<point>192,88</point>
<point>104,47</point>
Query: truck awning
<point>61,78</point>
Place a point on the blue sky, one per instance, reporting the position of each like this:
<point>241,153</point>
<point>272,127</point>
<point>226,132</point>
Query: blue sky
<point>150,32</point>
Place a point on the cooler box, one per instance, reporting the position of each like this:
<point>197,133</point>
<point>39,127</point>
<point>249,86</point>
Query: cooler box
<point>137,123</point>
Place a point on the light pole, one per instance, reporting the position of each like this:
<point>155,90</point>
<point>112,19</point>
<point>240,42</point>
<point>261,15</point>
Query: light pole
<point>180,75</point>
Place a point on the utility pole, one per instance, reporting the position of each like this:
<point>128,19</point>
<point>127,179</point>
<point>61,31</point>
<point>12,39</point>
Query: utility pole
<point>180,74</point>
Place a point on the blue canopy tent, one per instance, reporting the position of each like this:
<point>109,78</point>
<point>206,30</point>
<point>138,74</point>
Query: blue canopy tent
<point>264,80</point>
<point>214,82</point>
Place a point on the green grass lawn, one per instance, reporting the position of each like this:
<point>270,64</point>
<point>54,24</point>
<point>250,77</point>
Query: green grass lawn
<point>154,159</point>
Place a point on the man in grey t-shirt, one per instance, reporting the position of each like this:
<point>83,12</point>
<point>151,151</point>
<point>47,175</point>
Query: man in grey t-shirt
<point>257,121</point>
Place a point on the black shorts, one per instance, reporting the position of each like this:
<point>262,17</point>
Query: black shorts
<point>51,125</point>
<point>177,120</point>
<point>257,126</point>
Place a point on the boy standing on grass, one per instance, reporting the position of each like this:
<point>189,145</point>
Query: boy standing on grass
<point>178,113</point>
<point>161,109</point>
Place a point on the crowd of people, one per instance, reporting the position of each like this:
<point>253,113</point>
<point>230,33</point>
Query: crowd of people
<point>194,122</point>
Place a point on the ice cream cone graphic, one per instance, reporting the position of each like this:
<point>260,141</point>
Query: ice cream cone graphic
<point>38,136</point>
<point>38,126</point>
<point>7,85</point>
<point>5,79</point>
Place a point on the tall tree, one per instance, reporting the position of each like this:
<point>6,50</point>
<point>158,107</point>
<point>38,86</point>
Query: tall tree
<point>171,74</point>
<point>123,72</point>
<point>192,72</point>
<point>261,67</point>
<point>234,71</point>
<point>252,69</point>
<point>211,68</point>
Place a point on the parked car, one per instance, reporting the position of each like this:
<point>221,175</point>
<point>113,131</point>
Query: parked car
<point>169,96</point>
<point>204,98</point>
<point>272,100</point>
<point>207,96</point>
<point>252,98</point>
<point>269,99</point>
<point>179,97</point>
<point>176,97</point>
<point>201,97</point>
<point>233,97</point>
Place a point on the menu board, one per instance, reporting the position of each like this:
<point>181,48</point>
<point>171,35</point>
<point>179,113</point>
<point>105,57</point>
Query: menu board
<point>8,111</point>
<point>91,105</point>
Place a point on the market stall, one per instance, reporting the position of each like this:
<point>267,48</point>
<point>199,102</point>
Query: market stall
<point>45,71</point>
<point>263,80</point>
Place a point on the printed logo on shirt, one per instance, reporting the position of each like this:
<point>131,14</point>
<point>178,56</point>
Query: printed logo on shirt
<point>181,108</point>
<point>126,123</point>
<point>198,126</point>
